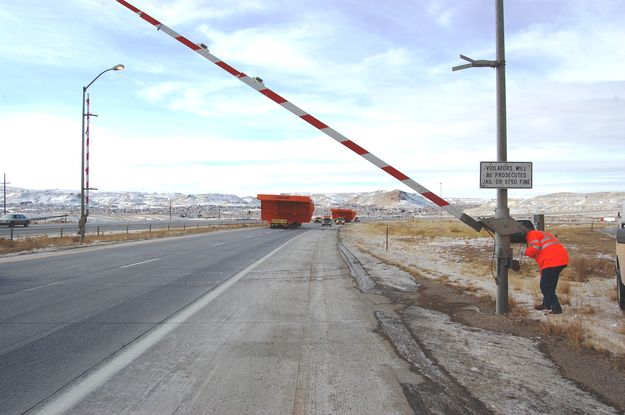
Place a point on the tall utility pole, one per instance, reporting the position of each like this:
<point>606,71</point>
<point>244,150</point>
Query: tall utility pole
<point>502,213</point>
<point>502,242</point>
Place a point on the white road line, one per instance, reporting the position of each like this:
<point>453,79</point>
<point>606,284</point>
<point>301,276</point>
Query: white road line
<point>220,243</point>
<point>38,287</point>
<point>83,387</point>
<point>139,263</point>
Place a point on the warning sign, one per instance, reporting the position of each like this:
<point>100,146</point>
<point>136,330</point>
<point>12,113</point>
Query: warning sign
<point>505,175</point>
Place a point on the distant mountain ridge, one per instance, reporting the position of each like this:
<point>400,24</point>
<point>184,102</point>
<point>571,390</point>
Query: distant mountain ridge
<point>380,199</point>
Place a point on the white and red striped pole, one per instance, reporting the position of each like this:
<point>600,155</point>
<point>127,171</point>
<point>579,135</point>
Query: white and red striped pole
<point>87,158</point>
<point>258,85</point>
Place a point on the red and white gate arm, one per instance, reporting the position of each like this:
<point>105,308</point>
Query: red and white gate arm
<point>260,87</point>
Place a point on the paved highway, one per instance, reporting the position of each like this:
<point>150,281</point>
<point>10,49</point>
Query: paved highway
<point>63,313</point>
<point>248,321</point>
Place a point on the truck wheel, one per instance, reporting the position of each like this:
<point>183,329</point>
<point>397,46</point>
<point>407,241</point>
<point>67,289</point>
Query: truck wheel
<point>620,288</point>
<point>25,224</point>
<point>11,224</point>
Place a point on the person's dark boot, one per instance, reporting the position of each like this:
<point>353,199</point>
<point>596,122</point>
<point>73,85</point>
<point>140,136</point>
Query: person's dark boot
<point>556,310</point>
<point>540,307</point>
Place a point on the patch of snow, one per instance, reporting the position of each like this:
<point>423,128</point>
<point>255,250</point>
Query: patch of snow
<point>507,373</point>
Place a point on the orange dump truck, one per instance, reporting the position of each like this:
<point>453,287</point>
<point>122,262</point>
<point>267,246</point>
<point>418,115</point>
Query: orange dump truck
<point>346,214</point>
<point>285,211</point>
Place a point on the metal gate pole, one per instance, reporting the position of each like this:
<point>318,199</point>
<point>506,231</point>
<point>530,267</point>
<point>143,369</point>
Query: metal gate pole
<point>502,243</point>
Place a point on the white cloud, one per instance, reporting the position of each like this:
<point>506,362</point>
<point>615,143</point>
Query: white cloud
<point>379,73</point>
<point>46,150</point>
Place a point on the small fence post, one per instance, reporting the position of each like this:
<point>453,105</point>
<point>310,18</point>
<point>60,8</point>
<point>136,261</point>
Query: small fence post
<point>126,229</point>
<point>98,230</point>
<point>387,238</point>
<point>150,228</point>
<point>11,233</point>
<point>61,231</point>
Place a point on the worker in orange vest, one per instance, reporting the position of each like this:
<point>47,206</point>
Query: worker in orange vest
<point>552,258</point>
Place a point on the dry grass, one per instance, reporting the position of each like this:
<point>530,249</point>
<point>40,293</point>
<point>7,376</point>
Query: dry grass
<point>583,268</point>
<point>471,288</point>
<point>41,242</point>
<point>564,287</point>
<point>621,329</point>
<point>515,308</point>
<point>580,307</point>
<point>570,328</point>
<point>409,229</point>
<point>580,239</point>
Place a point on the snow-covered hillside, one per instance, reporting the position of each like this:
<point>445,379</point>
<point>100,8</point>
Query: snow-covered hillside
<point>395,201</point>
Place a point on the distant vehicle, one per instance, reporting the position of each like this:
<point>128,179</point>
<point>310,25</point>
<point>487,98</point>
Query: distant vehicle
<point>620,261</point>
<point>347,214</point>
<point>326,222</point>
<point>356,219</point>
<point>340,221</point>
<point>519,237</point>
<point>285,211</point>
<point>317,219</point>
<point>12,219</point>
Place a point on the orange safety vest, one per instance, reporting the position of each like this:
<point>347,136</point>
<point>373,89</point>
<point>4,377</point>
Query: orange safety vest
<point>546,250</point>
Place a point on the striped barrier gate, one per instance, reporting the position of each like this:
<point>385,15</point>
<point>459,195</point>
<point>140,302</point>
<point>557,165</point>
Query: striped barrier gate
<point>259,86</point>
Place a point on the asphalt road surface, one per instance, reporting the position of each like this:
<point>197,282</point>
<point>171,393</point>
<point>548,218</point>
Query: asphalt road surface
<point>248,321</point>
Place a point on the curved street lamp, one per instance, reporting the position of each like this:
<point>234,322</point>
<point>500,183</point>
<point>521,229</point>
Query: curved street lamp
<point>83,215</point>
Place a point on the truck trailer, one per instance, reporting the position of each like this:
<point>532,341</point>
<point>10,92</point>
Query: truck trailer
<point>346,214</point>
<point>285,211</point>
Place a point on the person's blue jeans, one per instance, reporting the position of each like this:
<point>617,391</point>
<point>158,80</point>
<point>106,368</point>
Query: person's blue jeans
<point>548,282</point>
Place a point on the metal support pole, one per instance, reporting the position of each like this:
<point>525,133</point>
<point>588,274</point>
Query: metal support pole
<point>82,222</point>
<point>539,222</point>
<point>5,193</point>
<point>502,243</point>
<point>83,218</point>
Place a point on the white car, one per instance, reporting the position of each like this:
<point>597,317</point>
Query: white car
<point>12,219</point>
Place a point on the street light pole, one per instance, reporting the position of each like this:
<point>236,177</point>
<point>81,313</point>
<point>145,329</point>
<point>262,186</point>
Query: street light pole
<point>83,215</point>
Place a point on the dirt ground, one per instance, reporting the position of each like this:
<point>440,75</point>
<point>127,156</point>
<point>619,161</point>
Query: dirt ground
<point>598,373</point>
<point>595,372</point>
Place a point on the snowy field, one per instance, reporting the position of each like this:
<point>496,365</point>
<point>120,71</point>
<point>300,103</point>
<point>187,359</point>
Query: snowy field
<point>591,318</point>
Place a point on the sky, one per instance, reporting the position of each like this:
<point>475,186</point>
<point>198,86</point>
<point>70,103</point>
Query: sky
<point>378,72</point>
